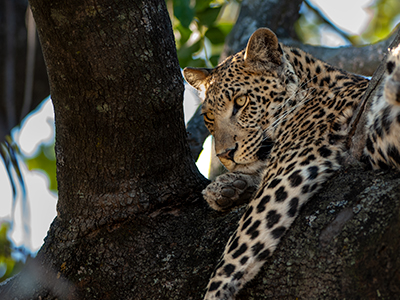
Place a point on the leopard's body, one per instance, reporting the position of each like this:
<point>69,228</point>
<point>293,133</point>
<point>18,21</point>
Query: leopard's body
<point>280,119</point>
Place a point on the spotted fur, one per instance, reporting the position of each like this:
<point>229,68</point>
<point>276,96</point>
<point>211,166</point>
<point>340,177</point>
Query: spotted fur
<point>383,128</point>
<point>279,118</point>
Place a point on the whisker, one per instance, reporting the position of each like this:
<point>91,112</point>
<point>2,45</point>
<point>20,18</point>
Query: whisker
<point>286,113</point>
<point>301,87</point>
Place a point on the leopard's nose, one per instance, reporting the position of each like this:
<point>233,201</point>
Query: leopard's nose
<point>228,153</point>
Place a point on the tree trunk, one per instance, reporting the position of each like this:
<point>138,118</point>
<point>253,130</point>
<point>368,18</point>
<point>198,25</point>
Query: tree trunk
<point>117,94</point>
<point>121,143</point>
<point>131,222</point>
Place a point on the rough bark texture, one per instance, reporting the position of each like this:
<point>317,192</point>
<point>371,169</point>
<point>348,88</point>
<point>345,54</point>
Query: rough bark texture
<point>117,94</point>
<point>121,142</point>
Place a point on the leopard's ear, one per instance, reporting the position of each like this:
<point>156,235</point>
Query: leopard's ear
<point>196,77</point>
<point>263,47</point>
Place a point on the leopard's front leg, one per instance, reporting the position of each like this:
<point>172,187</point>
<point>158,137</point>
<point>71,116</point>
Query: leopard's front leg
<point>268,216</point>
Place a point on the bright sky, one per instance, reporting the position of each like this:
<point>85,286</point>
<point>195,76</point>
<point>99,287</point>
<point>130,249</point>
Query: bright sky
<point>349,15</point>
<point>39,128</point>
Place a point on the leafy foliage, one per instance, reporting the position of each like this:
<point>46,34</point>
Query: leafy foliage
<point>45,161</point>
<point>200,29</point>
<point>8,265</point>
<point>385,15</point>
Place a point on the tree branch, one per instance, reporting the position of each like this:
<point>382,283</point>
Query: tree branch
<point>197,133</point>
<point>30,63</point>
<point>279,16</point>
<point>360,60</point>
<point>9,74</point>
<point>326,20</point>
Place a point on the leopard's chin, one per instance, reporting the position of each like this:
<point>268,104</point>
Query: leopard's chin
<point>255,167</point>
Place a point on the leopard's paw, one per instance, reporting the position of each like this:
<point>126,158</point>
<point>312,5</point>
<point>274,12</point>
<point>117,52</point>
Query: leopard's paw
<point>230,190</point>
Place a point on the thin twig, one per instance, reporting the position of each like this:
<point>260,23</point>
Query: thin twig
<point>9,75</point>
<point>30,62</point>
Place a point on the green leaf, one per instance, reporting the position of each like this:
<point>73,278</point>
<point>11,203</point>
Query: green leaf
<point>215,35</point>
<point>197,63</point>
<point>45,161</point>
<point>8,265</point>
<point>5,244</point>
<point>214,60</point>
<point>185,53</point>
<point>202,5</point>
<point>215,3</point>
<point>225,27</point>
<point>208,16</point>
<point>185,34</point>
<point>183,12</point>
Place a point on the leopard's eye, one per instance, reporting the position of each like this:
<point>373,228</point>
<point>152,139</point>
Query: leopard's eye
<point>209,116</point>
<point>241,101</point>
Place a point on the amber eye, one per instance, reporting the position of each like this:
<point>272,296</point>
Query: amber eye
<point>241,101</point>
<point>209,116</point>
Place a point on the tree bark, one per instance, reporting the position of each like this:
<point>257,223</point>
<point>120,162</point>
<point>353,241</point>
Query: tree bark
<point>132,223</point>
<point>117,94</point>
<point>120,138</point>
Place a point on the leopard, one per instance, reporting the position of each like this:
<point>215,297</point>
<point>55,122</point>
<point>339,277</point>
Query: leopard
<point>280,118</point>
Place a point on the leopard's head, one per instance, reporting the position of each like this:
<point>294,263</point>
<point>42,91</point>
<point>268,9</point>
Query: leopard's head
<point>243,97</point>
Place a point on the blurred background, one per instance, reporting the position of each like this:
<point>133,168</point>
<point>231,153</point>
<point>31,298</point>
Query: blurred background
<point>28,187</point>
